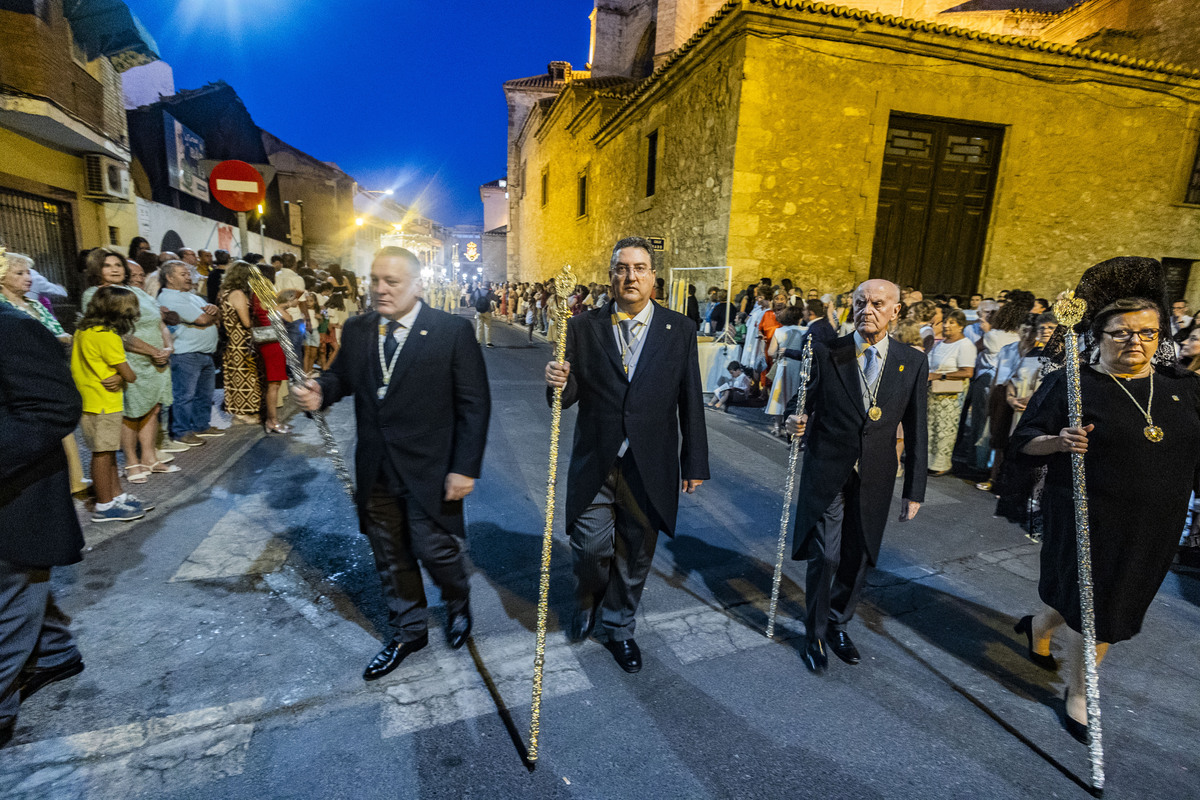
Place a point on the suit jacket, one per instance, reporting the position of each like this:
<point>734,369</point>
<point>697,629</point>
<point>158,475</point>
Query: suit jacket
<point>823,332</point>
<point>840,435</point>
<point>661,411</point>
<point>433,419</point>
<point>39,405</point>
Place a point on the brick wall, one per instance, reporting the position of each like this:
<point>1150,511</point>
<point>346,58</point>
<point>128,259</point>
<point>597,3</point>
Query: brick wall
<point>35,57</point>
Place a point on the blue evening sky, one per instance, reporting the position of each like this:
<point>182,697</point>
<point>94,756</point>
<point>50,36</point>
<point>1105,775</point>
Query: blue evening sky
<point>402,94</point>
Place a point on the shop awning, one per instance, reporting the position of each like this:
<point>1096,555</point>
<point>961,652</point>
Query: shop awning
<point>108,28</point>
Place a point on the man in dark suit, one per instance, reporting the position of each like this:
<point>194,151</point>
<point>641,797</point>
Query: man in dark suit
<point>422,405</point>
<point>632,366</point>
<point>863,386</point>
<point>38,526</point>
<point>819,327</point>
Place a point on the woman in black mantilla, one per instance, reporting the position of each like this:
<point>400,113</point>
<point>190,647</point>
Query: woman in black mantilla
<point>1141,440</point>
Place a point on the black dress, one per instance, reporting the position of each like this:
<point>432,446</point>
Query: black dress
<point>1138,491</point>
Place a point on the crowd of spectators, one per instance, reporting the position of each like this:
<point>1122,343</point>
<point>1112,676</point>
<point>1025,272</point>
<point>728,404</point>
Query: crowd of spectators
<point>172,348</point>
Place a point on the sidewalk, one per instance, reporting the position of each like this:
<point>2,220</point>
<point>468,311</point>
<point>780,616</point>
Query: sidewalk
<point>199,468</point>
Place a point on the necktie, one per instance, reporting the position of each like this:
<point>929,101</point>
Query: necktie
<point>390,344</point>
<point>870,367</point>
<point>627,326</point>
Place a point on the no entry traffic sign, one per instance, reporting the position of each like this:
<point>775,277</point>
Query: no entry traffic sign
<point>237,185</point>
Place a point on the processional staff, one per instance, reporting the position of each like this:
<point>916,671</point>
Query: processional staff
<point>789,486</point>
<point>264,290</point>
<point>564,283</point>
<point>1069,311</point>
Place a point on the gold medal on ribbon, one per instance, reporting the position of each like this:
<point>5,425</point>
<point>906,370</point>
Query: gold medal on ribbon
<point>875,413</point>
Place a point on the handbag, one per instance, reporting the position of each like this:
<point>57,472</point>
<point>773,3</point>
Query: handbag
<point>264,334</point>
<point>947,387</point>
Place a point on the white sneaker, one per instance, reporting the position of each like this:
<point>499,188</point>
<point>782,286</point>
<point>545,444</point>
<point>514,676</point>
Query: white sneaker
<point>172,446</point>
<point>164,456</point>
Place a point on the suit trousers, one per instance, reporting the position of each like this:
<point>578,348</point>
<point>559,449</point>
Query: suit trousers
<point>403,537</point>
<point>612,547</point>
<point>837,565</point>
<point>33,632</point>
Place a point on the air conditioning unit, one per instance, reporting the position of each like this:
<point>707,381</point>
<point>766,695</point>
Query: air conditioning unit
<point>107,178</point>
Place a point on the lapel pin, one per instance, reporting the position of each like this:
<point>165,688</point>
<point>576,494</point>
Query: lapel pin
<point>668,326</point>
<point>1175,397</point>
<point>424,332</point>
<point>902,368</point>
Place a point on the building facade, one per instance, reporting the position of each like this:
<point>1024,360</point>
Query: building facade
<point>830,144</point>
<point>64,144</point>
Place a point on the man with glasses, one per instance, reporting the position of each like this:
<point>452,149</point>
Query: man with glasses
<point>640,440</point>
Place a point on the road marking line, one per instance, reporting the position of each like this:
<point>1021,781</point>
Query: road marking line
<point>238,544</point>
<point>150,757</point>
<point>448,688</point>
<point>702,633</point>
<point>319,610</point>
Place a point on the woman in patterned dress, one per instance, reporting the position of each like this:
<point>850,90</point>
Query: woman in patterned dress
<point>951,360</point>
<point>243,391</point>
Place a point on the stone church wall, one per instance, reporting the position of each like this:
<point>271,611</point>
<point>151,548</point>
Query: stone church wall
<point>1087,170</point>
<point>772,150</point>
<point>696,120</point>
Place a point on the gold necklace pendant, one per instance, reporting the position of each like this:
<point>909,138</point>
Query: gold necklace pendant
<point>1152,432</point>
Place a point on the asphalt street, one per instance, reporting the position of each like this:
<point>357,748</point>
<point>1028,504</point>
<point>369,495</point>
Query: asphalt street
<point>225,638</point>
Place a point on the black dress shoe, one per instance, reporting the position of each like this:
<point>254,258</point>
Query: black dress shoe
<point>843,648</point>
<point>6,733</point>
<point>458,628</point>
<point>35,679</point>
<point>1025,626</point>
<point>582,623</point>
<point>1074,727</point>
<point>390,657</point>
<point>814,657</point>
<point>627,654</point>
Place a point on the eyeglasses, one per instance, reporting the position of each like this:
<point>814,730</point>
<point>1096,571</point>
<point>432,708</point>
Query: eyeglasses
<point>640,270</point>
<point>1147,335</point>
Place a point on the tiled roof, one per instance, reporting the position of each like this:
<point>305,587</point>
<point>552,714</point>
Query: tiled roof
<point>1039,6</point>
<point>902,23</point>
<point>605,82</point>
<point>543,81</point>
<point>188,94</point>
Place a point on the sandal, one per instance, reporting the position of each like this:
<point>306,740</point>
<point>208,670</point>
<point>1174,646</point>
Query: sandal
<point>276,428</point>
<point>141,475</point>
<point>160,467</point>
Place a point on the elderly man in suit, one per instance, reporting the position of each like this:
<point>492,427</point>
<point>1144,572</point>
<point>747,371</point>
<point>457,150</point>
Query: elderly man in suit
<point>863,386</point>
<point>38,526</point>
<point>632,366</point>
<point>422,404</point>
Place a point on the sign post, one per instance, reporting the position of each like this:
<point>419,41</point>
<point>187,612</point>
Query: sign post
<point>239,187</point>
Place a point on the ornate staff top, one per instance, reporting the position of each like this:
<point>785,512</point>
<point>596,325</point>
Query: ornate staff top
<point>1070,310</point>
<point>564,284</point>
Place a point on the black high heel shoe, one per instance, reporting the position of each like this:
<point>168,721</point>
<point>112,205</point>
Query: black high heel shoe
<point>1074,727</point>
<point>1025,626</point>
